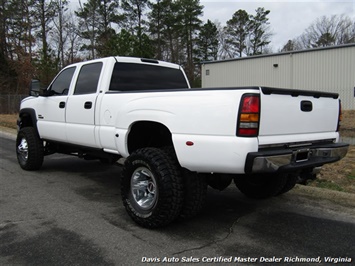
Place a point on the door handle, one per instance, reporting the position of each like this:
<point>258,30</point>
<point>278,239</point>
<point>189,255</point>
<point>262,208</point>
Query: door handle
<point>62,105</point>
<point>88,105</point>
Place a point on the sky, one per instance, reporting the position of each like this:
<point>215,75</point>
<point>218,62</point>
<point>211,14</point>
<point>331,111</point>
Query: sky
<point>288,19</point>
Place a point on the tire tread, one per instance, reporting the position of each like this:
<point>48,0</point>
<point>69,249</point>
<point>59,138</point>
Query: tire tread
<point>170,188</point>
<point>35,149</point>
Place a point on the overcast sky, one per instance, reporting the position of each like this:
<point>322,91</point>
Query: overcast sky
<point>288,19</point>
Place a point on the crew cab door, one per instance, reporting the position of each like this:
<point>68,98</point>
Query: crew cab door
<point>50,109</point>
<point>80,111</point>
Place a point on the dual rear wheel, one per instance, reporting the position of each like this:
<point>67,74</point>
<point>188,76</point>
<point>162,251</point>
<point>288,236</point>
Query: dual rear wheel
<point>156,190</point>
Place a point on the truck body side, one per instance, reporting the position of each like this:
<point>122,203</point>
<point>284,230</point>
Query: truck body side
<point>144,109</point>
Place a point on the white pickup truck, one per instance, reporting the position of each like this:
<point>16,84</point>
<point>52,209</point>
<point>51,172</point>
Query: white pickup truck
<point>177,140</point>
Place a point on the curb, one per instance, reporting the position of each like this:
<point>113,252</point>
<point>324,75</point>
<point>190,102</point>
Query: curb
<point>342,198</point>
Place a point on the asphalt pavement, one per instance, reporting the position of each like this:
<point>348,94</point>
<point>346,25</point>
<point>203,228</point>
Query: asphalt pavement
<point>70,213</point>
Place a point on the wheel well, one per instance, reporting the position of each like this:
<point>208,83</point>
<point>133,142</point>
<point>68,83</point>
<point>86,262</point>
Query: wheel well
<point>148,134</point>
<point>25,120</point>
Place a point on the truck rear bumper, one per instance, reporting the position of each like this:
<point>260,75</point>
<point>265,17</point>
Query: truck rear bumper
<point>289,160</point>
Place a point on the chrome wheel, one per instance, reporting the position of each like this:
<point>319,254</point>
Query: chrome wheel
<point>22,149</point>
<point>152,188</point>
<point>29,149</point>
<point>144,188</point>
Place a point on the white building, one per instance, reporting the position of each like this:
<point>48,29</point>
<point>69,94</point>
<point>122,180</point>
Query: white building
<point>329,69</point>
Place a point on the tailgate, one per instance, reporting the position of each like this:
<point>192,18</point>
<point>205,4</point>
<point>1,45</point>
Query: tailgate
<point>296,115</point>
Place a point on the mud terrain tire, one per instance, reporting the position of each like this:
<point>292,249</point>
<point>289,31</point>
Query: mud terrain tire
<point>152,188</point>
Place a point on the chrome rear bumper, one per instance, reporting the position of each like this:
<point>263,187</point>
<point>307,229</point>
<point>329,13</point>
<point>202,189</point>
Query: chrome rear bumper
<point>288,160</point>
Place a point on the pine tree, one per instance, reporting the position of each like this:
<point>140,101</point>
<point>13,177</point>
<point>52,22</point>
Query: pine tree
<point>165,29</point>
<point>5,69</point>
<point>17,30</point>
<point>133,12</point>
<point>156,26</point>
<point>96,17</point>
<point>188,16</point>
<point>289,46</point>
<point>207,42</point>
<point>237,31</point>
<point>259,36</point>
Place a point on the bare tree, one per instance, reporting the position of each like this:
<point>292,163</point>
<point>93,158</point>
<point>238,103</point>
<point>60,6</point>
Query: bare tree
<point>59,30</point>
<point>225,50</point>
<point>328,31</point>
<point>74,39</point>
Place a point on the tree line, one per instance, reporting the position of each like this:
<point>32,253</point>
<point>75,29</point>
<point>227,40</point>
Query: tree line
<point>324,31</point>
<point>39,37</point>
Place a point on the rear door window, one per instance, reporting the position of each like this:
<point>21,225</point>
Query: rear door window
<point>88,79</point>
<point>133,77</point>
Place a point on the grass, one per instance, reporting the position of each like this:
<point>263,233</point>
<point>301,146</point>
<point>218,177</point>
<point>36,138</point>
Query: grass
<point>351,176</point>
<point>328,185</point>
<point>8,120</point>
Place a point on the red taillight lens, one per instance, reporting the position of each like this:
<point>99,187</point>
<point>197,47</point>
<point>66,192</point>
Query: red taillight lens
<point>250,104</point>
<point>249,116</point>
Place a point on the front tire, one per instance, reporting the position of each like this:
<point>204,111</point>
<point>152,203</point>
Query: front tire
<point>261,186</point>
<point>29,149</point>
<point>152,189</point>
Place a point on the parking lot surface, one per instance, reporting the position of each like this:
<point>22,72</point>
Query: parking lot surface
<point>70,213</point>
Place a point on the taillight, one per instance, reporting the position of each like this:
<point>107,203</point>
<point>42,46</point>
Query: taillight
<point>340,116</point>
<point>249,116</point>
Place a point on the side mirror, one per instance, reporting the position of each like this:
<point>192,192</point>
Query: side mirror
<point>35,88</point>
